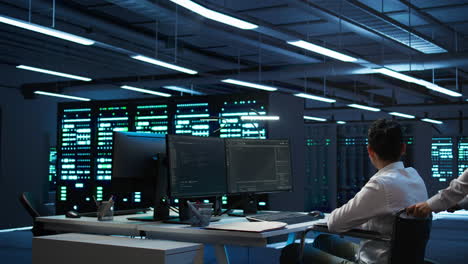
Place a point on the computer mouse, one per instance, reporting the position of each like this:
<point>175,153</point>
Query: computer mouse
<point>317,214</point>
<point>72,214</point>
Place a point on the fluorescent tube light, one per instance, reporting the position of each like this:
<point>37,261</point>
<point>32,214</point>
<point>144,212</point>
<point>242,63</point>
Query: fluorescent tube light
<point>368,108</point>
<point>163,64</point>
<point>314,97</point>
<point>324,51</point>
<point>437,88</point>
<point>182,89</point>
<point>213,15</point>
<point>315,118</point>
<point>251,118</point>
<point>397,75</point>
<point>428,85</point>
<point>341,122</point>
<point>62,96</point>
<point>401,115</point>
<point>432,121</point>
<point>136,89</point>
<point>61,74</point>
<point>251,85</point>
<point>45,30</point>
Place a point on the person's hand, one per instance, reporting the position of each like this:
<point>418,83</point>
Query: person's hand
<point>454,208</point>
<point>419,210</point>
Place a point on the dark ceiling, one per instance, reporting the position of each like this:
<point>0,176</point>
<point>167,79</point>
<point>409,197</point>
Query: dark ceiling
<point>425,39</point>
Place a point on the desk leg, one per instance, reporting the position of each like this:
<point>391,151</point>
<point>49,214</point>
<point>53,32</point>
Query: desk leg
<point>221,254</point>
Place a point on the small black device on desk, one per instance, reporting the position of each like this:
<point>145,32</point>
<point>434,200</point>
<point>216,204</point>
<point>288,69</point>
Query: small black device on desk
<point>287,217</point>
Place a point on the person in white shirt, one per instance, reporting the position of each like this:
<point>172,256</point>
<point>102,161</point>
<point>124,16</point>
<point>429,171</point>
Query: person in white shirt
<point>391,189</point>
<point>451,199</point>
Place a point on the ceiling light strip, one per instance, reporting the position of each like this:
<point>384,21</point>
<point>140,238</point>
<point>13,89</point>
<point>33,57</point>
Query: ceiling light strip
<point>45,30</point>
<point>314,97</point>
<point>321,50</point>
<point>62,96</point>
<point>163,64</point>
<point>432,121</point>
<point>410,79</point>
<point>251,85</point>
<point>315,118</point>
<point>363,107</point>
<point>402,115</point>
<point>141,90</point>
<point>182,89</point>
<point>61,74</point>
<point>213,15</point>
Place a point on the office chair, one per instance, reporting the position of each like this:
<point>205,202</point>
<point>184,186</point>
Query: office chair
<point>407,244</point>
<point>33,209</point>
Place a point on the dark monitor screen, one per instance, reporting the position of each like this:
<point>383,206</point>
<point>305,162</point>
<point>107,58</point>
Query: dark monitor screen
<point>256,165</point>
<point>134,167</point>
<point>196,166</point>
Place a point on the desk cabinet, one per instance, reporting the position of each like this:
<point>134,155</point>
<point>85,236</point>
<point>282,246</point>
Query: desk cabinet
<point>75,248</point>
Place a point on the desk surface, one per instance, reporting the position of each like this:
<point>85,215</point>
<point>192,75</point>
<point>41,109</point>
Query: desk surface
<point>201,235</point>
<point>158,230</point>
<point>119,226</point>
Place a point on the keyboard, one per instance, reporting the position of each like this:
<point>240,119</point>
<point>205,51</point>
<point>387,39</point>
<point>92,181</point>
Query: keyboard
<point>285,217</point>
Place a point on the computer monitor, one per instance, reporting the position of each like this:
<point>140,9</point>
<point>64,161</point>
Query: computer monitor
<point>134,169</point>
<point>196,166</point>
<point>258,165</point>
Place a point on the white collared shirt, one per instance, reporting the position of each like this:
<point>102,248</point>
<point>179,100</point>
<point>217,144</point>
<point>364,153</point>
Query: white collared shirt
<point>452,195</point>
<point>391,189</point>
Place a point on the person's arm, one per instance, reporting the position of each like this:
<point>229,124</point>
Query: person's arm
<point>463,204</point>
<point>369,202</point>
<point>450,196</point>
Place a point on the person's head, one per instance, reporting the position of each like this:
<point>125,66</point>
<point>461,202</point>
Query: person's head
<point>385,142</point>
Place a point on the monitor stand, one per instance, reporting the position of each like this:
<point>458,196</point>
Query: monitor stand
<point>184,215</point>
<point>248,204</point>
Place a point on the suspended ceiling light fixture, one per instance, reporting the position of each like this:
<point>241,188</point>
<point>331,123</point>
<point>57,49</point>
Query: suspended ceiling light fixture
<point>432,121</point>
<point>163,64</point>
<point>61,74</point>
<point>251,85</point>
<point>401,115</point>
<point>141,90</point>
<point>213,15</point>
<point>364,107</point>
<point>314,97</point>
<point>315,118</point>
<point>324,51</point>
<point>257,117</point>
<point>62,96</point>
<point>182,89</point>
<point>341,122</point>
<point>410,79</point>
<point>45,30</point>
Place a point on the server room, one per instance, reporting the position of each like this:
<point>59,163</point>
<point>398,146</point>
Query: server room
<point>233,131</point>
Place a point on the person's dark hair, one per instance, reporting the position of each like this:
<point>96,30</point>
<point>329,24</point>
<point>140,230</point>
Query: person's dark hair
<point>385,138</point>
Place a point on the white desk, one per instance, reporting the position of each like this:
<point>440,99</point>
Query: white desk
<point>90,225</point>
<point>73,248</point>
<point>184,233</point>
